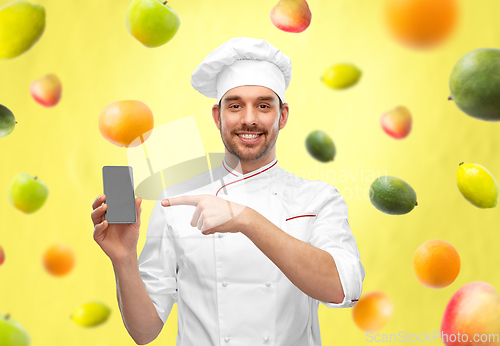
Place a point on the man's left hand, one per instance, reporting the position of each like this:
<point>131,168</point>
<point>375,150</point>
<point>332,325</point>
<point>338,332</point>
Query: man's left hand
<point>212,213</point>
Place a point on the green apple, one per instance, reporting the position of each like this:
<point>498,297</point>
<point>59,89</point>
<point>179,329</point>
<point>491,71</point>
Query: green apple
<point>21,26</point>
<point>12,333</point>
<point>152,22</point>
<point>26,193</point>
<point>91,314</point>
<point>7,121</point>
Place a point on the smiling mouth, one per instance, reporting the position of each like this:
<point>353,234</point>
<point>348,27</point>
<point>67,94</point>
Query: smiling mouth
<point>249,139</point>
<point>247,136</point>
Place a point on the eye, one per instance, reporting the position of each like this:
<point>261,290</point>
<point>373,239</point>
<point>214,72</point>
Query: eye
<point>265,106</point>
<point>233,105</point>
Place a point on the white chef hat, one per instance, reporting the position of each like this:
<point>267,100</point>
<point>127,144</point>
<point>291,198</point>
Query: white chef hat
<point>243,61</point>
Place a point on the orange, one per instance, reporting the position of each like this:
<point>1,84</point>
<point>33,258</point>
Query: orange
<point>436,263</point>
<point>59,259</point>
<point>421,23</point>
<point>126,123</point>
<point>372,311</point>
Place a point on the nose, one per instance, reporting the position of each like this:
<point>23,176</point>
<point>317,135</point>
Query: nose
<point>249,116</point>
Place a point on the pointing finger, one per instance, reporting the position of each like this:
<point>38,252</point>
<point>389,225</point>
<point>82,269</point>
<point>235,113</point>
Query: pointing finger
<point>181,200</point>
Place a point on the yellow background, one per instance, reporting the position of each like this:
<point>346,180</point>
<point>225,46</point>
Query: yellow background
<point>87,45</point>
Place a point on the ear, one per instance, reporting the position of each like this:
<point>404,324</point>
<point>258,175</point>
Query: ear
<point>215,115</point>
<point>284,116</point>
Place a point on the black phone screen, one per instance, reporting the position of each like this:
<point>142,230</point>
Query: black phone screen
<point>118,183</point>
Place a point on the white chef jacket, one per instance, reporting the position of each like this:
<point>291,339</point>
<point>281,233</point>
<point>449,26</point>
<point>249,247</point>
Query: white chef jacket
<point>228,292</point>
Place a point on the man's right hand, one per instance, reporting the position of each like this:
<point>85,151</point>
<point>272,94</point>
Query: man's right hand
<point>118,241</point>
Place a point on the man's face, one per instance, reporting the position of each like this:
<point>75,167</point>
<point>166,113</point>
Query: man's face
<point>251,109</point>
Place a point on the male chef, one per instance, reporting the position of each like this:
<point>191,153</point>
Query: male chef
<point>250,250</point>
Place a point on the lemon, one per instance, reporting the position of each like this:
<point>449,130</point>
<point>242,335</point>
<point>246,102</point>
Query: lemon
<point>341,76</point>
<point>91,314</point>
<point>21,25</point>
<point>477,185</point>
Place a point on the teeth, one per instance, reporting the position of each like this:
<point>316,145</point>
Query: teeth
<point>249,136</point>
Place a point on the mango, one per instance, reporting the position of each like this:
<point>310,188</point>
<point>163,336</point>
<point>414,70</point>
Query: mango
<point>21,26</point>
<point>475,86</point>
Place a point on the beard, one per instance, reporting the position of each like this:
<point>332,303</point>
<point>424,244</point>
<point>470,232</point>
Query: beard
<point>249,153</point>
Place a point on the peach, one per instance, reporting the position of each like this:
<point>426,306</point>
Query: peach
<point>473,309</point>
<point>396,122</point>
<point>291,15</point>
<point>46,90</point>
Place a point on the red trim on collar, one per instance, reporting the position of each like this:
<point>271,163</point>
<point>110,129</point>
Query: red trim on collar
<point>253,175</point>
<point>228,169</point>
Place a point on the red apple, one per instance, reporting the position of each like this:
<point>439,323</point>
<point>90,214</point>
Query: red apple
<point>2,255</point>
<point>473,309</point>
<point>46,90</point>
<point>397,122</point>
<point>291,15</point>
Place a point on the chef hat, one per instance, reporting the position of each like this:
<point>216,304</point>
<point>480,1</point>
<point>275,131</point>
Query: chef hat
<point>243,61</point>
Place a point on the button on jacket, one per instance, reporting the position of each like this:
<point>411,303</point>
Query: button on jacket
<point>228,292</point>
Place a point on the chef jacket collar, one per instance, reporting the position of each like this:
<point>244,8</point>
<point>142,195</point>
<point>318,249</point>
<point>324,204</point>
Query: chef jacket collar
<point>262,170</point>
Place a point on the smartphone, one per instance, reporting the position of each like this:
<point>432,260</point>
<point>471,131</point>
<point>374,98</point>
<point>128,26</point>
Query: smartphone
<point>118,184</point>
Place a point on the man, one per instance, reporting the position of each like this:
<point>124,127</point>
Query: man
<point>248,256</point>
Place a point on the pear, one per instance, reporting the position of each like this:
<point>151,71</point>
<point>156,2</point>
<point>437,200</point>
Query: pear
<point>21,25</point>
<point>291,15</point>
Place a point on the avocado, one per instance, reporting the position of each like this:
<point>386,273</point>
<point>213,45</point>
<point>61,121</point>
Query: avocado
<point>320,146</point>
<point>475,84</point>
<point>392,195</point>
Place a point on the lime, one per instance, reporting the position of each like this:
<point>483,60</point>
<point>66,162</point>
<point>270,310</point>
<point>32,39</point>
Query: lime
<point>392,195</point>
<point>320,146</point>
<point>7,121</point>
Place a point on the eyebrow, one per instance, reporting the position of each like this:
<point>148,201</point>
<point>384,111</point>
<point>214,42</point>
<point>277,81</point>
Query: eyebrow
<point>263,98</point>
